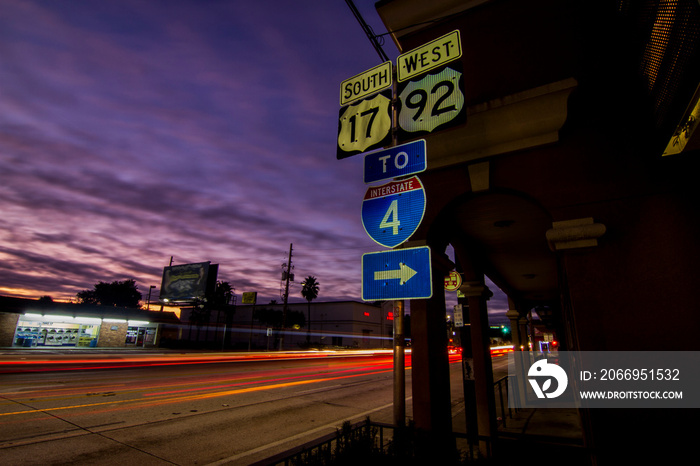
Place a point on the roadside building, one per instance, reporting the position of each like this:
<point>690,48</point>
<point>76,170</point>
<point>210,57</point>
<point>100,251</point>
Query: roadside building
<point>29,323</point>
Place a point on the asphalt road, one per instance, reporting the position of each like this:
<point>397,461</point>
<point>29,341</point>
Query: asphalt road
<point>185,409</point>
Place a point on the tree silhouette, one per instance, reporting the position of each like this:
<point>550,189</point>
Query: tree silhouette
<point>45,300</point>
<point>118,294</point>
<point>309,290</point>
<point>223,293</point>
<point>218,300</point>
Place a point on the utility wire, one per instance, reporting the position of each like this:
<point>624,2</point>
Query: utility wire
<point>368,30</point>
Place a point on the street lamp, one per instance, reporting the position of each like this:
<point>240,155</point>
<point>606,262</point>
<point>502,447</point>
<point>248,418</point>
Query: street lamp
<point>148,303</point>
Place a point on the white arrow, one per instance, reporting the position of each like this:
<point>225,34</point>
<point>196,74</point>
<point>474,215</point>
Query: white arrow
<point>404,274</point>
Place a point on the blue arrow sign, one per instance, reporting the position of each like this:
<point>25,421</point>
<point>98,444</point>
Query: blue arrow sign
<point>391,213</point>
<point>397,274</point>
<point>406,159</point>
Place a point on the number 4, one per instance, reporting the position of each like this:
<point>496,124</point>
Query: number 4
<point>392,212</point>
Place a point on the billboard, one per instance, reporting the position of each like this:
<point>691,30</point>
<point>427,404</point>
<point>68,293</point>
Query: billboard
<point>187,282</point>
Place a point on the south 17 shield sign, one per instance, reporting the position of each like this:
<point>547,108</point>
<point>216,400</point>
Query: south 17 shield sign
<point>392,212</point>
<point>364,125</point>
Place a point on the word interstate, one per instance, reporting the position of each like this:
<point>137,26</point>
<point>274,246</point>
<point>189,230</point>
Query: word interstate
<point>393,188</point>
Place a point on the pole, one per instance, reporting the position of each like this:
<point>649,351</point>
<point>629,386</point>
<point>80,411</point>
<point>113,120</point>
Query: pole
<point>148,303</point>
<point>399,367</point>
<point>161,291</point>
<point>252,315</point>
<point>286,295</point>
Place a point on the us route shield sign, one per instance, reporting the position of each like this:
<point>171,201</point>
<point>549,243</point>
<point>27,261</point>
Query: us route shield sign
<point>392,212</point>
<point>397,274</point>
<point>365,125</point>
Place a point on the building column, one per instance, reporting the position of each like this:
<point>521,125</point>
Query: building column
<point>513,315</point>
<point>522,330</point>
<point>477,293</point>
<point>432,407</point>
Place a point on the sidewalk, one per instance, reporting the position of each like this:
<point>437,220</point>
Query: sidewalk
<point>535,433</point>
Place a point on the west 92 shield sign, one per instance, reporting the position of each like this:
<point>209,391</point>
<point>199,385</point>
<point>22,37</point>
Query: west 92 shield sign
<point>431,102</point>
<point>392,212</point>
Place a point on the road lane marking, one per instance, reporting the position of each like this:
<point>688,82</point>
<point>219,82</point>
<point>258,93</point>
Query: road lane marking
<point>200,396</point>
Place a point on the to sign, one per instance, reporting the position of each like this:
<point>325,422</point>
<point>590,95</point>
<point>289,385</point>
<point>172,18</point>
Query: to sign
<point>429,56</point>
<point>365,84</point>
<point>403,160</point>
<point>391,213</point>
<point>397,274</point>
<point>432,102</point>
<point>365,125</point>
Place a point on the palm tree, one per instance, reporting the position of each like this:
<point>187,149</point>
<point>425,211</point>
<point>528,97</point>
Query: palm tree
<point>309,290</point>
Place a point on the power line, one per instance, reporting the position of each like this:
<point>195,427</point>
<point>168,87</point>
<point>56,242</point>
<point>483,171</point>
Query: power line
<point>368,30</point>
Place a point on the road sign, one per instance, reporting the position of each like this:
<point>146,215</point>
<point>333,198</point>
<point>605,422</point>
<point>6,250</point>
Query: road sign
<point>366,84</point>
<point>249,297</point>
<point>432,102</point>
<point>365,125</point>
<point>453,281</point>
<point>458,316</point>
<point>397,274</point>
<point>429,56</point>
<point>403,160</point>
<point>392,212</point>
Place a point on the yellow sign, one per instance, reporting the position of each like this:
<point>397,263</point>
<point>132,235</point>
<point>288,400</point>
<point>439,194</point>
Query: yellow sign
<point>429,56</point>
<point>364,125</point>
<point>365,84</point>
<point>249,297</point>
<point>453,281</point>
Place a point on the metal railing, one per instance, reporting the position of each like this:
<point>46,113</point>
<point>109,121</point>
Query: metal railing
<point>499,384</point>
<point>324,447</point>
<point>380,434</point>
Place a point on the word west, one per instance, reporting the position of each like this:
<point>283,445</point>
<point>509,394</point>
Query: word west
<point>431,55</point>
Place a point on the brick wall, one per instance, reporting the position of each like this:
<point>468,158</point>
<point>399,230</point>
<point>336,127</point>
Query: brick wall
<point>112,338</point>
<point>8,323</point>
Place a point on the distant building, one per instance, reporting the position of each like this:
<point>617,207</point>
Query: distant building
<point>28,323</point>
<point>342,324</point>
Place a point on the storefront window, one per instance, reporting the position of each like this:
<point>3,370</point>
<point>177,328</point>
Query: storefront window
<point>141,336</point>
<point>32,333</point>
<point>131,335</point>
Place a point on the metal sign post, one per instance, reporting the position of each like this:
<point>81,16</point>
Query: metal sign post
<point>399,367</point>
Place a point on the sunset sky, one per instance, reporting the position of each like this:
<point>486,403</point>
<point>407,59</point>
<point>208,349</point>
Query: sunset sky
<point>132,131</point>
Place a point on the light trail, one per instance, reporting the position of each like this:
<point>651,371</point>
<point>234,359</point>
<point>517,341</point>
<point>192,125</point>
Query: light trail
<point>67,363</point>
<point>167,397</point>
